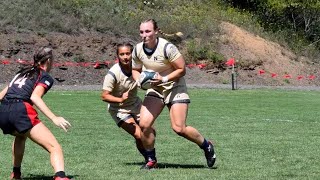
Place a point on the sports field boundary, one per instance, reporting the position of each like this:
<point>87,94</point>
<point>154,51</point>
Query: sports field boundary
<point>195,86</point>
<point>191,86</point>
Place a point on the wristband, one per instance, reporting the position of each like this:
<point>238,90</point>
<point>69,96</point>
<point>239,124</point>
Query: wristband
<point>164,79</point>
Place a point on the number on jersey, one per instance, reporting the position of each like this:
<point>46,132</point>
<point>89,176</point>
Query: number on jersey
<point>20,81</point>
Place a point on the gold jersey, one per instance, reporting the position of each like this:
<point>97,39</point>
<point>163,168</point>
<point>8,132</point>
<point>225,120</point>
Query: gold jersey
<point>158,59</point>
<point>117,83</point>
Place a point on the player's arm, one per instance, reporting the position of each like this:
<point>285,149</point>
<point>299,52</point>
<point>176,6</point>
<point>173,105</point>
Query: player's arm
<point>180,70</point>
<point>108,86</point>
<point>178,63</point>
<point>108,97</point>
<point>36,98</point>
<point>3,92</point>
<point>136,65</point>
<point>136,73</point>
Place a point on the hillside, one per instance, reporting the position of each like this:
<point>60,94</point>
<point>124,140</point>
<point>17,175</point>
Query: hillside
<point>259,61</point>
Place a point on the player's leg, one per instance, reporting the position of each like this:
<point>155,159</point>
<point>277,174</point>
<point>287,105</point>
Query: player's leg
<point>18,144</point>
<point>178,116</point>
<point>150,110</point>
<point>41,135</point>
<point>133,129</point>
<point>18,147</point>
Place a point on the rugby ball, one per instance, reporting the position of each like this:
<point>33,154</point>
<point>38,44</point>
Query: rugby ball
<point>146,77</point>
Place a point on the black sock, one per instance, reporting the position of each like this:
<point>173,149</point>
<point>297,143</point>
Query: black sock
<point>142,151</point>
<point>61,174</point>
<point>151,154</point>
<point>17,169</point>
<point>204,145</point>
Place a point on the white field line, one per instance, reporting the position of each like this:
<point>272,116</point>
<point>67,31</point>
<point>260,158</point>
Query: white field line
<point>272,120</point>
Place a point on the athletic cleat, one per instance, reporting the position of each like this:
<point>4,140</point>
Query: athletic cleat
<point>60,178</point>
<point>210,155</point>
<point>151,164</point>
<point>15,176</point>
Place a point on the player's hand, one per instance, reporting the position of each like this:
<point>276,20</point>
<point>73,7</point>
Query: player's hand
<point>157,80</point>
<point>125,96</point>
<point>62,123</point>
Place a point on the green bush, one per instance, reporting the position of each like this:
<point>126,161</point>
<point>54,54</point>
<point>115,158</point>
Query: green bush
<point>202,51</point>
<point>195,19</point>
<point>296,22</point>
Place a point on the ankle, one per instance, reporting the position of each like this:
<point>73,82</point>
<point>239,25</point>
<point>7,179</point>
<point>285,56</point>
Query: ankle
<point>61,174</point>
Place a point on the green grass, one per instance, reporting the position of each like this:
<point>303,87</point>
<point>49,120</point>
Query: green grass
<point>259,134</point>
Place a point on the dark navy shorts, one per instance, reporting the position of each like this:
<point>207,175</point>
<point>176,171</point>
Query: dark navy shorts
<point>17,115</point>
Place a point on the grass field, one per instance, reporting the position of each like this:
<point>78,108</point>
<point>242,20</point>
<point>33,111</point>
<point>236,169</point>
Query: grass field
<point>259,134</point>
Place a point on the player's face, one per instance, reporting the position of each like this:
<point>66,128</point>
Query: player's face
<point>124,55</point>
<point>147,33</point>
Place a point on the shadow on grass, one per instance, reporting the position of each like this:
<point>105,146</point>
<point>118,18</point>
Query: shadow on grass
<point>175,166</point>
<point>42,177</point>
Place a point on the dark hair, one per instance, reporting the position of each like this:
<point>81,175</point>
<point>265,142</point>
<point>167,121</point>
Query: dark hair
<point>39,58</point>
<point>124,45</point>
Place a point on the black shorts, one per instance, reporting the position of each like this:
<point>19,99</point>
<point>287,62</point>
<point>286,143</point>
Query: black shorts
<point>17,115</point>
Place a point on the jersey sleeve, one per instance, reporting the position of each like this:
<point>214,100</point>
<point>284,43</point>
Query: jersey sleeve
<point>172,52</point>
<point>109,81</point>
<point>136,62</point>
<point>45,81</point>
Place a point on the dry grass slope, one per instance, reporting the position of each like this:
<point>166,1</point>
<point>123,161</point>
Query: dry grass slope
<point>252,53</point>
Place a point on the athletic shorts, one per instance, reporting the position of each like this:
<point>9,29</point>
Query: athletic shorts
<point>17,115</point>
<point>121,117</point>
<point>178,94</point>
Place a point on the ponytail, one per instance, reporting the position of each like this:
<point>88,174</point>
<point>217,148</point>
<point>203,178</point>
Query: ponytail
<point>177,34</point>
<point>28,71</point>
<point>40,57</point>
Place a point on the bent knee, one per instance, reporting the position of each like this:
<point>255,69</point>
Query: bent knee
<point>145,127</point>
<point>54,147</point>
<point>179,130</point>
<point>137,135</point>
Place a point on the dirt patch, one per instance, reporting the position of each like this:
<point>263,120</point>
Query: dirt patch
<point>265,62</point>
<point>253,54</point>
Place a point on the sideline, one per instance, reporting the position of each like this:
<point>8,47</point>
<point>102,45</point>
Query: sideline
<point>191,86</point>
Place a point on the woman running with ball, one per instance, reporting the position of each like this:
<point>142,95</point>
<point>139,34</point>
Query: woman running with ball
<point>168,89</point>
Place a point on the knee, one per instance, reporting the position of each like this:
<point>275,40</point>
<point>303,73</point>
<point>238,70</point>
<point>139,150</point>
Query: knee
<point>179,130</point>
<point>137,135</point>
<point>55,147</point>
<point>145,127</point>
